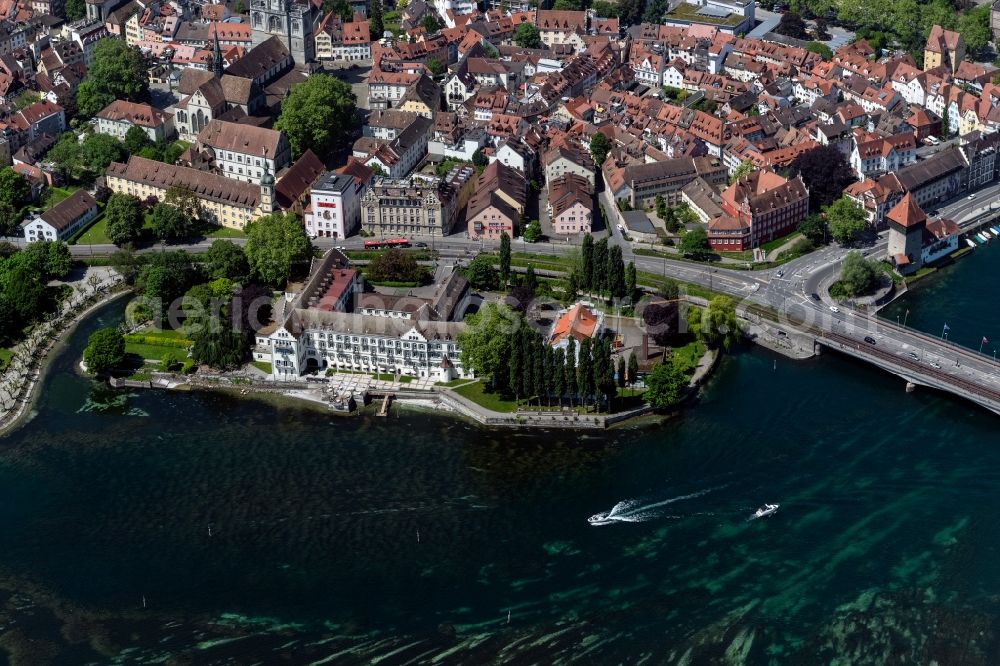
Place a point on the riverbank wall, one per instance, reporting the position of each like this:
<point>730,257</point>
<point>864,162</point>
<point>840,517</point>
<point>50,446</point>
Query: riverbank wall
<point>26,376</point>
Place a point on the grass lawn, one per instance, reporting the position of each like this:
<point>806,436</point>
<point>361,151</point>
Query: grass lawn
<point>263,366</point>
<point>54,195</point>
<point>778,242</point>
<point>5,356</point>
<point>223,232</point>
<point>153,352</point>
<point>690,354</point>
<point>494,401</point>
<point>455,382</point>
<point>96,233</point>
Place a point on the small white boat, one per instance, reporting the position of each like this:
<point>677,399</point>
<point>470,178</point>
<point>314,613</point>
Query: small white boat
<point>995,230</point>
<point>600,519</point>
<point>969,241</point>
<point>764,511</point>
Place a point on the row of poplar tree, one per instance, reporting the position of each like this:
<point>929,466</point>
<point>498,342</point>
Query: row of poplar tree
<point>584,373</point>
<point>602,270</point>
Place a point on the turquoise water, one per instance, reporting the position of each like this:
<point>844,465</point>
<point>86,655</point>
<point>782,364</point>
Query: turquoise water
<point>412,538</point>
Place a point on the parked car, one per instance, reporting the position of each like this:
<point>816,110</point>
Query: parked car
<point>421,244</point>
<point>869,339</point>
<point>914,356</point>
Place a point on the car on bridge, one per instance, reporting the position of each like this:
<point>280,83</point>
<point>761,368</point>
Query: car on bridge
<point>834,308</point>
<point>869,339</point>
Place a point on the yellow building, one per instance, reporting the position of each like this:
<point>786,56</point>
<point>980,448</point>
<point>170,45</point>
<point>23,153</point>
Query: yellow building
<point>223,201</point>
<point>943,47</point>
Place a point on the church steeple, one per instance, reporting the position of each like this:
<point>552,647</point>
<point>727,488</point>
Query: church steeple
<point>266,205</point>
<point>217,64</point>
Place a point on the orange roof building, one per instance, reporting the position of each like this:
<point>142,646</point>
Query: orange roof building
<point>579,322</point>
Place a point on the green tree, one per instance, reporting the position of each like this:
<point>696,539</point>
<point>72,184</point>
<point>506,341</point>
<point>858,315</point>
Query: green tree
<point>485,342</point>
<point>169,222</point>
<point>695,243</point>
<point>240,7</point>
<point>530,279</point>
<point>945,122</point>
<point>116,71</point>
<point>431,25</point>
<point>504,259</point>
<point>481,274</point>
<point>66,155</point>
<point>123,214</point>
<point>860,276</point>
<point>570,5</point>
<point>277,248</point>
<point>745,167</point>
<point>75,10</point>
<point>718,324</point>
<point>375,25</point>
<point>537,366</point>
<point>585,371</point>
<point>792,25</point>
<point>665,385</point>
<point>616,272</point>
<point>814,228</point>
<point>48,259</point>
<point>318,114</point>
<point>974,26</point>
<point>172,153</point>
<point>127,264</point>
<point>226,259</point>
<point>184,200</point>
<point>630,281</point>
<point>533,232</point>
<point>586,266</point>
<point>569,370</point>
<point>599,266</point>
<point>217,345</point>
<point>136,139</point>
<point>633,367</point>
<point>558,371</point>
<point>479,159</point>
<point>621,371</point>
<point>600,146</point>
<point>105,350</point>
<point>846,219</point>
<point>526,36</point>
<point>14,188</point>
<point>571,286</point>
<point>820,48</point>
<point>436,66</point>
<point>98,151</point>
<point>395,266</point>
<point>10,219</point>
<point>515,374</point>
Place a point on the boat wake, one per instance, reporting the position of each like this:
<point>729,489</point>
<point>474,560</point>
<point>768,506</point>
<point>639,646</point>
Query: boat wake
<point>636,511</point>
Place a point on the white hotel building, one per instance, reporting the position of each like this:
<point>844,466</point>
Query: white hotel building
<point>308,336</point>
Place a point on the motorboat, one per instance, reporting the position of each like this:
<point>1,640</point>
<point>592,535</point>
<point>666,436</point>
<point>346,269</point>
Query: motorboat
<point>764,511</point>
<point>600,519</point>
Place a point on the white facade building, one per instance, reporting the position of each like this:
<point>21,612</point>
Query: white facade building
<point>334,206</point>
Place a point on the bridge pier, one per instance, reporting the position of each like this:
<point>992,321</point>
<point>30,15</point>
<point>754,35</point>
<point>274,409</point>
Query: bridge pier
<point>910,387</point>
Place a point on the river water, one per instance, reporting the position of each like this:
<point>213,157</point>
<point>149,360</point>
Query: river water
<point>212,529</point>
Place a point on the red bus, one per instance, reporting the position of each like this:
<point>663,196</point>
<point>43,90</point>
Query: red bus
<point>389,242</point>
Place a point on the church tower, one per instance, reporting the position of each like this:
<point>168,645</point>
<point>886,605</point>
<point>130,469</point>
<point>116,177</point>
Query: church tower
<point>290,21</point>
<point>218,66</point>
<point>266,190</point>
